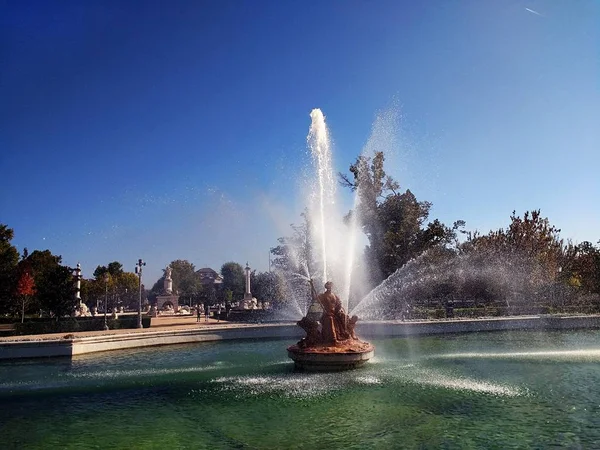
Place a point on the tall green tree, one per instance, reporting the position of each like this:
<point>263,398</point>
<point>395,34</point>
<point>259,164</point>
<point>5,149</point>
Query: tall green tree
<point>121,288</point>
<point>114,269</point>
<point>234,279</point>
<point>294,254</point>
<point>268,287</point>
<point>44,266</point>
<point>581,267</point>
<point>9,258</point>
<point>56,291</point>
<point>42,261</point>
<point>394,222</point>
<point>531,237</point>
<point>186,282</point>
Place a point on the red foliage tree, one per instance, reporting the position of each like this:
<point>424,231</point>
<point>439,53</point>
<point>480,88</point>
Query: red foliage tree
<point>25,290</point>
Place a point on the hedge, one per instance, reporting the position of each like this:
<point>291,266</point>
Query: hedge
<point>70,325</point>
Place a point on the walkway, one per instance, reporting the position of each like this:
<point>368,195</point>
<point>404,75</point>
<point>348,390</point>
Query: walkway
<point>160,323</point>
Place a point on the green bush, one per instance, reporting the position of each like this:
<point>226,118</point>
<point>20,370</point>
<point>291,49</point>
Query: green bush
<point>439,313</point>
<point>71,325</point>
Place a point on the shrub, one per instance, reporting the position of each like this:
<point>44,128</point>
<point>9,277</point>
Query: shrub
<point>70,325</point>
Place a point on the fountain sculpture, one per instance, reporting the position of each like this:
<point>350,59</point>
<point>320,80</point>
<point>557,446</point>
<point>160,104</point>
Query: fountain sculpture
<point>330,344</point>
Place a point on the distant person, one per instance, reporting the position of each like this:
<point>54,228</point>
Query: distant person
<point>206,312</point>
<point>198,313</point>
<point>219,313</point>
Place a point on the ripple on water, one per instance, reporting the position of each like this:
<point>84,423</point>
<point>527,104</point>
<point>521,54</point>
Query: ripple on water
<point>146,372</point>
<point>584,355</point>
<point>302,385</point>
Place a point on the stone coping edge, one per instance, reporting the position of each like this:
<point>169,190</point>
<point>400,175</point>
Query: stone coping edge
<point>28,348</point>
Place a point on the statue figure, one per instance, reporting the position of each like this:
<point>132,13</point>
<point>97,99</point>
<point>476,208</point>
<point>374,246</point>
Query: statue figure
<point>313,335</point>
<point>334,321</point>
<point>168,283</point>
<point>351,325</point>
<point>330,342</point>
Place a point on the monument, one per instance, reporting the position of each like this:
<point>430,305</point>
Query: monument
<point>248,302</point>
<point>330,343</point>
<point>81,309</point>
<point>167,300</point>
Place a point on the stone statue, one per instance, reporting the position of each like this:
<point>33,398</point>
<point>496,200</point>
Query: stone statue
<point>334,322</point>
<point>168,283</point>
<point>313,334</point>
<point>330,342</point>
<point>351,325</point>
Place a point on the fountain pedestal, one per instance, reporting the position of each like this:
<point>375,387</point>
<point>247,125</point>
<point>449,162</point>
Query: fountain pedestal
<point>345,355</point>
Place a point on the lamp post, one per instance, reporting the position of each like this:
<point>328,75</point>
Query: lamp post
<point>138,270</point>
<point>105,300</point>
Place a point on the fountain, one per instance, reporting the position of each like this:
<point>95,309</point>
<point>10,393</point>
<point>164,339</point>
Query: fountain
<point>501,389</point>
<point>330,342</point>
<point>476,390</point>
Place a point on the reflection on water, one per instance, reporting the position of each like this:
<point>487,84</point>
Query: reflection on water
<point>513,389</point>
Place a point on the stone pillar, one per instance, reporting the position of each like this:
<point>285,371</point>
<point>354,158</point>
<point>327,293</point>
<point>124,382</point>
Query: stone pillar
<point>78,285</point>
<point>247,294</point>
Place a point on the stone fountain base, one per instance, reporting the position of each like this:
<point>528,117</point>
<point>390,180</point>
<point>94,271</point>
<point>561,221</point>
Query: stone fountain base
<point>344,355</point>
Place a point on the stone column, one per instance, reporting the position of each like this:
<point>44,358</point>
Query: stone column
<point>247,294</point>
<point>78,285</point>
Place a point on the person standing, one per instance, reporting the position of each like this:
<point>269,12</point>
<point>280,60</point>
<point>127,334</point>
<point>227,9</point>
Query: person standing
<point>219,313</point>
<point>198,313</point>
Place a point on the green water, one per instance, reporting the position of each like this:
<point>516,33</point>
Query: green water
<point>484,390</point>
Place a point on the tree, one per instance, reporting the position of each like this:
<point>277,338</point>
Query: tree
<point>42,261</point>
<point>531,237</point>
<point>186,281</point>
<point>122,287</point>
<point>25,290</point>
<point>293,264</point>
<point>294,254</point>
<point>234,279</point>
<point>56,291</point>
<point>115,268</point>
<point>9,257</point>
<point>530,252</point>
<point>581,267</point>
<point>127,290</point>
<point>43,265</point>
<point>268,287</point>
<point>393,222</point>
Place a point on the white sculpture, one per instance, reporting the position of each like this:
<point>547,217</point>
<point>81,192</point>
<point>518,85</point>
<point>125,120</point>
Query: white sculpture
<point>168,284</point>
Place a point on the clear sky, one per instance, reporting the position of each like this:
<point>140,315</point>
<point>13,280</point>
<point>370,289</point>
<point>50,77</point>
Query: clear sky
<point>177,130</point>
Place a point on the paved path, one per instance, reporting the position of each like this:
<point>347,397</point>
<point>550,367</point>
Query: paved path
<point>164,323</point>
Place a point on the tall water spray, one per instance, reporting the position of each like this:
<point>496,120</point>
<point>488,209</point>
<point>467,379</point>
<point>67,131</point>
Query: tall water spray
<point>333,243</point>
<point>320,147</point>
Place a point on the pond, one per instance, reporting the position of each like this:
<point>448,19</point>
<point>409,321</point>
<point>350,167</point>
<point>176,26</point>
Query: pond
<point>479,390</point>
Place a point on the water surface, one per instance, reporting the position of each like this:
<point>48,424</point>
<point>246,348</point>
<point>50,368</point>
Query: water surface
<point>480,390</point>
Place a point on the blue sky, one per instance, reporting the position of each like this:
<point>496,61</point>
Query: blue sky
<point>166,130</point>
